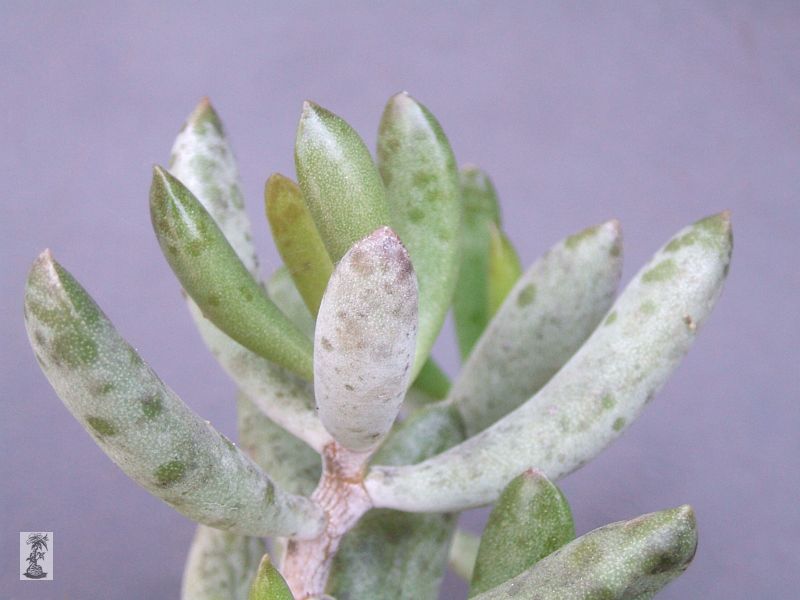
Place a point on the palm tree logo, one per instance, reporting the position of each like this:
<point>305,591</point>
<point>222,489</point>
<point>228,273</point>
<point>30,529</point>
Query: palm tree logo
<point>36,541</point>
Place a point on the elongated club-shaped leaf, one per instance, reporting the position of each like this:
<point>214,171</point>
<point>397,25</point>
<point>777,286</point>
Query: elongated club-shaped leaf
<point>391,554</point>
<point>471,300</point>
<point>269,584</point>
<point>504,268</point>
<point>283,292</point>
<point>215,278</point>
<point>463,553</point>
<point>290,463</point>
<point>297,239</point>
<point>530,520</point>
<point>594,397</point>
<point>629,560</point>
<point>364,341</point>
<point>421,179</point>
<point>203,160</point>
<point>221,565</point>
<point>341,186</point>
<point>550,312</point>
<point>142,425</point>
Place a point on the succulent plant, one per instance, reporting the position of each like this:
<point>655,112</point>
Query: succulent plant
<point>356,453</point>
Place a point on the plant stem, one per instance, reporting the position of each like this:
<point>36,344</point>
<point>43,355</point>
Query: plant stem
<point>342,497</point>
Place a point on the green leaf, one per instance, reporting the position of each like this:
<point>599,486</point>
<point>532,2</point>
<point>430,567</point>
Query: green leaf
<point>586,405</point>
<point>364,341</point>
<point>421,179</point>
<point>142,425</point>
<point>432,380</point>
<point>221,565</point>
<point>290,463</point>
<point>341,186</point>
<point>549,313</point>
<point>390,554</point>
<point>215,278</point>
<point>297,239</point>
<point>629,560</point>
<point>269,584</point>
<point>283,292</point>
<point>530,520</point>
<point>471,300</point>
<point>504,268</point>
<point>204,162</point>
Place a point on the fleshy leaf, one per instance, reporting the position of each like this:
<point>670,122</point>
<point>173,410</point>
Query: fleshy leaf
<point>290,463</point>
<point>283,292</point>
<point>202,159</point>
<point>212,274</point>
<point>297,239</point>
<point>463,553</point>
<point>269,584</point>
<point>504,268</point>
<point>586,405</point>
<point>471,300</point>
<point>629,560</point>
<point>341,186</point>
<point>421,179</point>
<point>550,312</point>
<point>221,565</point>
<point>530,520</point>
<point>364,341</point>
<point>432,380</point>
<point>142,425</point>
<point>390,554</point>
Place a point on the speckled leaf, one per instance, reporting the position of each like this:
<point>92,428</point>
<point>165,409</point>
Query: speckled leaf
<point>530,520</point>
<point>297,239</point>
<point>221,565</point>
<point>142,425</point>
<point>630,560</point>
<point>471,300</point>
<point>341,186</point>
<point>392,555</point>
<point>290,463</point>
<point>463,553</point>
<point>504,268</point>
<point>202,159</point>
<point>364,341</point>
<point>421,179</point>
<point>550,312</point>
<point>283,292</point>
<point>587,404</point>
<point>269,584</point>
<point>215,278</point>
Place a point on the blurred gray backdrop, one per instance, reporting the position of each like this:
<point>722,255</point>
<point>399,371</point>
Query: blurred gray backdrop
<point>653,113</point>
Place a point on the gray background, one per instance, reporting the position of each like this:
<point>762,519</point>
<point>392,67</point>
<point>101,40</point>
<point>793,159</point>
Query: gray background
<point>656,114</point>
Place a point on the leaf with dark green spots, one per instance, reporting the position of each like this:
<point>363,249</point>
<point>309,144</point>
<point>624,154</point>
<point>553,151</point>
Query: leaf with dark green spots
<point>577,414</point>
<point>629,560</point>
<point>217,280</point>
<point>504,268</point>
<point>269,584</point>
<point>364,341</point>
<point>471,299</point>
<point>297,239</point>
<point>390,554</point>
<point>204,162</point>
<point>283,292</point>
<point>421,179</point>
<point>530,520</point>
<point>548,314</point>
<point>341,186</point>
<point>171,452</point>
<point>221,565</point>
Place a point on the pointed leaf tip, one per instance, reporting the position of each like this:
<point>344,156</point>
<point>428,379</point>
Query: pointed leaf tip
<point>269,584</point>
